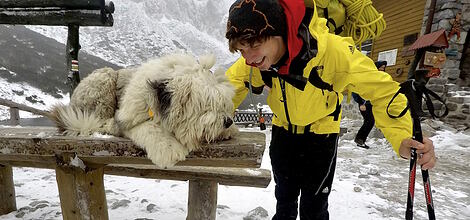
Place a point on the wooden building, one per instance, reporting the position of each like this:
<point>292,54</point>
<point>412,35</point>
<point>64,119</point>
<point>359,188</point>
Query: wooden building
<point>404,20</point>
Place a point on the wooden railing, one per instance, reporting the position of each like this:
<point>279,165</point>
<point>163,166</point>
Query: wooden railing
<point>15,110</point>
<point>243,117</point>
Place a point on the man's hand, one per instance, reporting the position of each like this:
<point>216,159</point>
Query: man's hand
<point>426,156</point>
<point>362,108</point>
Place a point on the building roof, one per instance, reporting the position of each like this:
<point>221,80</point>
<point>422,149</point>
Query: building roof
<point>435,39</point>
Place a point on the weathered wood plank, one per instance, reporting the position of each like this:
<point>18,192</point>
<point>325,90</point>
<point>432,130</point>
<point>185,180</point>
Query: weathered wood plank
<point>224,176</point>
<point>22,107</point>
<point>75,4</point>
<point>49,160</point>
<point>29,164</point>
<point>81,193</point>
<point>7,190</point>
<point>229,176</point>
<point>56,17</point>
<point>41,144</point>
<point>202,200</point>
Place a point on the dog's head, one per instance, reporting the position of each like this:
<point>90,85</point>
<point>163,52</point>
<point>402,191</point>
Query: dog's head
<point>194,104</point>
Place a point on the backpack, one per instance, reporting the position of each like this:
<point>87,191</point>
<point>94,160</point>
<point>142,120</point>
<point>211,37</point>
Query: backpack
<point>350,18</point>
<point>333,11</point>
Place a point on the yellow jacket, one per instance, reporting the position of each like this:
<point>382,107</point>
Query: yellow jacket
<point>345,68</point>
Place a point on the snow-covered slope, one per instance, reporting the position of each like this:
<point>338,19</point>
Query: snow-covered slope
<point>148,28</point>
<point>26,94</point>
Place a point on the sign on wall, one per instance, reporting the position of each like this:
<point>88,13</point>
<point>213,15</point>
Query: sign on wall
<point>436,60</point>
<point>389,55</point>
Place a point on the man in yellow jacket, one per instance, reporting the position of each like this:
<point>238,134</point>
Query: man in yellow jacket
<point>287,47</point>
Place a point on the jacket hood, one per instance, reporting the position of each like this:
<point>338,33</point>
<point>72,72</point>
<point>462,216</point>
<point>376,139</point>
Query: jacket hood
<point>294,11</point>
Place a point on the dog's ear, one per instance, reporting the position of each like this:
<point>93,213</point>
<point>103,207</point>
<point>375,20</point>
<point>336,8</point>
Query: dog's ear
<point>207,61</point>
<point>162,96</point>
<point>220,75</point>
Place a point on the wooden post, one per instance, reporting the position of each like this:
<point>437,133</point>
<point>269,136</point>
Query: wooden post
<point>202,200</point>
<point>73,47</point>
<point>418,59</point>
<point>14,116</point>
<point>7,190</point>
<point>81,193</point>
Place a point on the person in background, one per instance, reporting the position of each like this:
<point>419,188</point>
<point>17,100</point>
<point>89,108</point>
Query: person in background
<point>365,108</point>
<point>286,46</point>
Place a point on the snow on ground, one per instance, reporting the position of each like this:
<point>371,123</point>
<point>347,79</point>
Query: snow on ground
<point>369,184</point>
<point>20,92</point>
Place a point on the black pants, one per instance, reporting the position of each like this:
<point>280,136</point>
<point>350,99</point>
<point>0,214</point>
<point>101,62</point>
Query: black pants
<point>303,164</point>
<point>368,123</point>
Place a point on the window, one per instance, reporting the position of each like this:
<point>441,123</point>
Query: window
<point>366,47</point>
<point>410,39</point>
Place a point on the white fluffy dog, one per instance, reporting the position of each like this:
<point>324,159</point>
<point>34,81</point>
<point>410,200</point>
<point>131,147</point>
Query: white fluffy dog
<point>168,106</point>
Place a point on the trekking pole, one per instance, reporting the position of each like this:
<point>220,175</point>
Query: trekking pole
<point>411,88</point>
<point>410,93</point>
<point>414,90</point>
<point>411,186</point>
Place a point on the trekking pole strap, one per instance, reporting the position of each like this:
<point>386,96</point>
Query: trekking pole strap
<point>409,88</point>
<point>428,93</point>
<point>403,112</point>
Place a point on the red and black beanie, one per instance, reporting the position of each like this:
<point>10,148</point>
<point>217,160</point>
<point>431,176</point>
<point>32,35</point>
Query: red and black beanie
<point>255,18</point>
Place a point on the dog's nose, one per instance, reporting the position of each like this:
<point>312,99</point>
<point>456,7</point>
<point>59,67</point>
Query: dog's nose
<point>227,122</point>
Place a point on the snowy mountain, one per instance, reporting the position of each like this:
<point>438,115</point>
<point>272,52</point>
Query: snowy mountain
<point>33,70</point>
<point>147,28</point>
<point>29,57</point>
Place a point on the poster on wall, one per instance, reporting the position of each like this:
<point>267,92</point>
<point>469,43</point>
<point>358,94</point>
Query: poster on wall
<point>389,55</point>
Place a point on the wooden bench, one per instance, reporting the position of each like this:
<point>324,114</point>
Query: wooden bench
<point>80,163</point>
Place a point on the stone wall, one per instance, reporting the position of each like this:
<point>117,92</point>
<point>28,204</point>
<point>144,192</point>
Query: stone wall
<point>465,66</point>
<point>450,85</point>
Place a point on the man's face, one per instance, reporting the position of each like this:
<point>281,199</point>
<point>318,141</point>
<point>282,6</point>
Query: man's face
<point>263,54</point>
<point>382,68</point>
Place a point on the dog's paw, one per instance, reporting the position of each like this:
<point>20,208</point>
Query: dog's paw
<point>229,133</point>
<point>167,156</point>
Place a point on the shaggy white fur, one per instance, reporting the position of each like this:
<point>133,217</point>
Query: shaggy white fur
<point>190,105</point>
